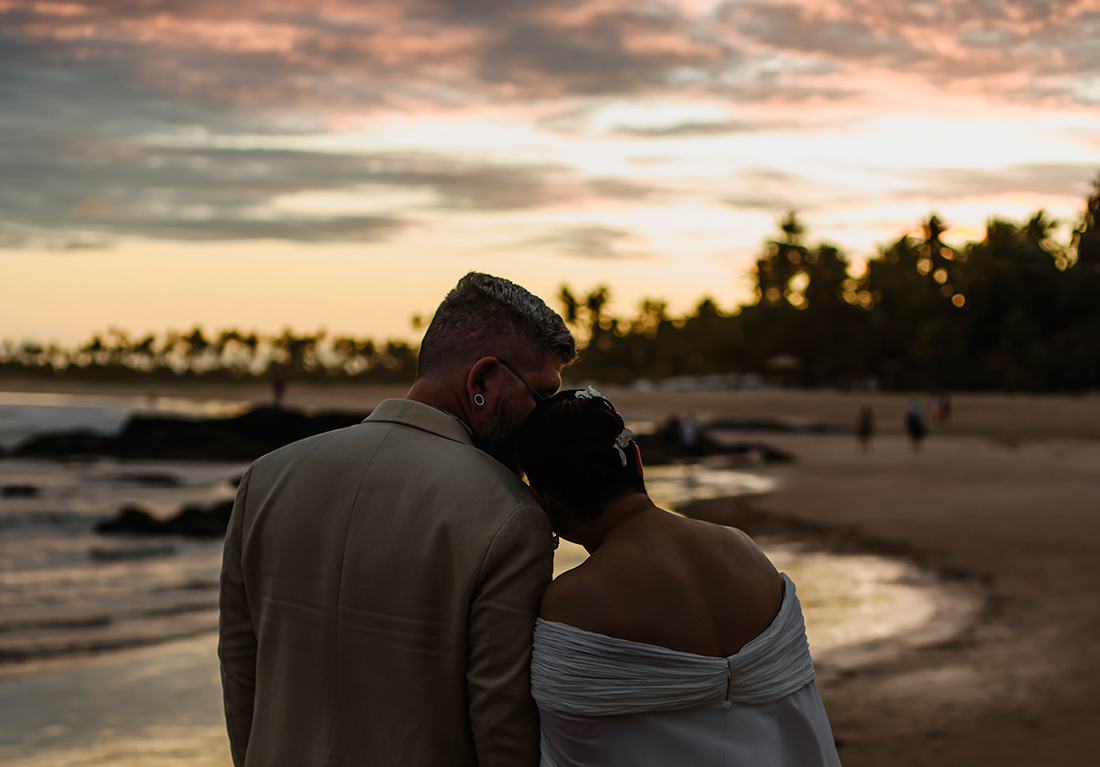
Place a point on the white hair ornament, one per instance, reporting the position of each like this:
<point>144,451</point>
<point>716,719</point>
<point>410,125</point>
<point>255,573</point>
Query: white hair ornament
<point>621,441</point>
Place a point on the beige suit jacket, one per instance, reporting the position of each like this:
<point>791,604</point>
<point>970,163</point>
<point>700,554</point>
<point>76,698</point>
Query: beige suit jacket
<point>379,591</point>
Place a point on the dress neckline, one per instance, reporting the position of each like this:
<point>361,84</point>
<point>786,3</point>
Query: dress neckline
<point>789,603</point>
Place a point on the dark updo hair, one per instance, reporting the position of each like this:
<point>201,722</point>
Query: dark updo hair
<point>567,448</point>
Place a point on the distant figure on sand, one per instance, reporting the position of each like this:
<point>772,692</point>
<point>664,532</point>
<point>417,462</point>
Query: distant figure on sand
<point>689,435</point>
<point>865,427</point>
<point>941,408</point>
<point>380,583</point>
<point>915,425</point>
<point>278,389</point>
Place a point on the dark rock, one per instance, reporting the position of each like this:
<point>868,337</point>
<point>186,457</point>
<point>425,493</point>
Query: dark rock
<point>19,491</point>
<point>202,522</point>
<point>65,444</point>
<point>241,438</point>
<point>132,519</point>
<point>666,444</point>
<point>192,521</point>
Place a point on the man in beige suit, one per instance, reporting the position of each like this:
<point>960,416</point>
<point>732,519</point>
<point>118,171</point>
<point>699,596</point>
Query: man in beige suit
<point>380,583</point>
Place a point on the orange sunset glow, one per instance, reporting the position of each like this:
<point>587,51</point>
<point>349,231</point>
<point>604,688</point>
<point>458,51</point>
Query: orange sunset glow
<point>341,164</point>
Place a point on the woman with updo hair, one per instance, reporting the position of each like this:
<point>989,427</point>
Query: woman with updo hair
<point>676,642</point>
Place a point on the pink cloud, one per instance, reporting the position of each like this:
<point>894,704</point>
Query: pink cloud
<point>368,54</point>
<point>90,81</point>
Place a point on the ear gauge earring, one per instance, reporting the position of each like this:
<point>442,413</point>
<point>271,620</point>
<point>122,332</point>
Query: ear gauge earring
<point>479,400</point>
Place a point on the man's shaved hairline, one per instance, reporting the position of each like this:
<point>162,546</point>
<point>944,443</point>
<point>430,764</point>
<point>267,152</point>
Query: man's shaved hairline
<point>487,316</point>
<point>514,346</point>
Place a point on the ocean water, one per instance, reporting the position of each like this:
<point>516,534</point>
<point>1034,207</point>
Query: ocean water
<point>65,589</point>
<point>23,414</point>
<point>66,592</point>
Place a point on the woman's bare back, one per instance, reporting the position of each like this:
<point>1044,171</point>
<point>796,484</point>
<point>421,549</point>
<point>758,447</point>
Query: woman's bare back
<point>673,582</point>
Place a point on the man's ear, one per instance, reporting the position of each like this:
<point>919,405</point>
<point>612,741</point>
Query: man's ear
<point>476,379</point>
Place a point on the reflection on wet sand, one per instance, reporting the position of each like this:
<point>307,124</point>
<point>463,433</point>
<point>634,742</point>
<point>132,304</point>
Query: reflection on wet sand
<point>152,706</point>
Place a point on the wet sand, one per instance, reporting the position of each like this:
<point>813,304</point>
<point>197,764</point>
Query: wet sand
<point>149,706</point>
<point>1004,500</point>
<point>1019,685</point>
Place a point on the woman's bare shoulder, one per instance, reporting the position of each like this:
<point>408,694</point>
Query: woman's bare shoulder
<point>581,597</point>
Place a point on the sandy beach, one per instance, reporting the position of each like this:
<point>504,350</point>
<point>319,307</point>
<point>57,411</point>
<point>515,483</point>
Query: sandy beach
<point>1020,524</point>
<point>1003,500</point>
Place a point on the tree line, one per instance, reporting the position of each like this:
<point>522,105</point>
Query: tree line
<point>1018,310</point>
<point>223,355</point>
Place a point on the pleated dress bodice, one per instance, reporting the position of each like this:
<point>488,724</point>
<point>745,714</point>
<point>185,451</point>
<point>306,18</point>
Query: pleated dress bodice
<point>606,702</point>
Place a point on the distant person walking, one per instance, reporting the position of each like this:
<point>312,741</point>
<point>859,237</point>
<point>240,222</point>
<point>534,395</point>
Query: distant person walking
<point>278,389</point>
<point>915,425</point>
<point>689,436</point>
<point>865,427</point>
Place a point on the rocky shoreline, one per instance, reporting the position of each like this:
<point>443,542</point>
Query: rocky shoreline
<point>239,438</point>
<point>263,429</point>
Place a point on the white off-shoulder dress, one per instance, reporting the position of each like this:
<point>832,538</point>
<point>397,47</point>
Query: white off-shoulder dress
<point>607,702</point>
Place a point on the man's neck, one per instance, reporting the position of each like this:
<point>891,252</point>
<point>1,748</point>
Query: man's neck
<point>440,396</point>
<point>432,392</point>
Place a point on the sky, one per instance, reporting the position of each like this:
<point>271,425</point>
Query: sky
<point>339,164</point>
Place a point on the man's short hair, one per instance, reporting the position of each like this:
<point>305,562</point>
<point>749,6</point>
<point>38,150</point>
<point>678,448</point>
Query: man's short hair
<point>486,316</point>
